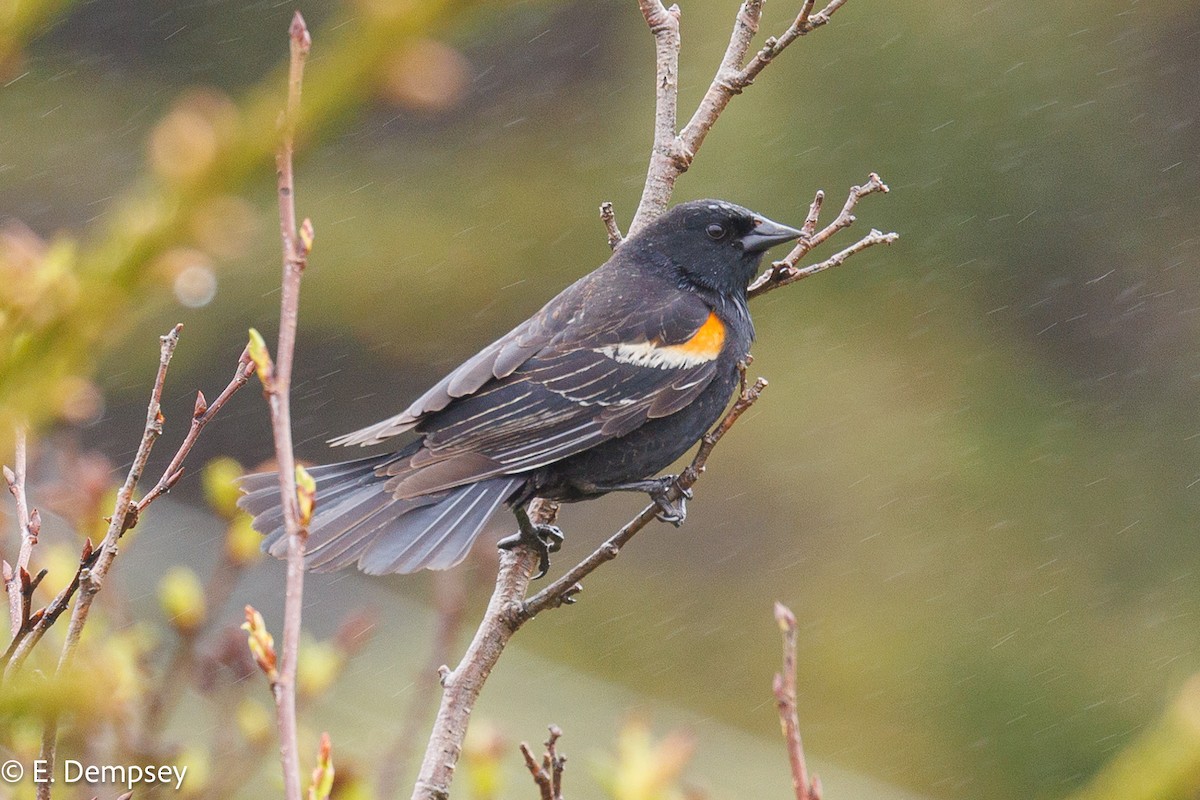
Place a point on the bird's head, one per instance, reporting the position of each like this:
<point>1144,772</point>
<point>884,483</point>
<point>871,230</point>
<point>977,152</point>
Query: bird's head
<point>713,244</point>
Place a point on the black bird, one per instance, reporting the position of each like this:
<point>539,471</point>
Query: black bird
<point>608,384</point>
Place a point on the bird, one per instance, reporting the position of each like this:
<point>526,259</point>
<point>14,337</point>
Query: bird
<point>607,385</point>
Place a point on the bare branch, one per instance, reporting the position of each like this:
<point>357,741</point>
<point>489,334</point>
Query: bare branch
<point>297,242</point>
<point>728,81</point>
<point>462,685</point>
<point>667,161</point>
<point>28,527</point>
<point>785,699</point>
<point>609,218</point>
<point>548,774</point>
<point>203,415</point>
<point>805,23</point>
<point>673,153</point>
<point>90,578</point>
<point>38,622</point>
<point>786,271</point>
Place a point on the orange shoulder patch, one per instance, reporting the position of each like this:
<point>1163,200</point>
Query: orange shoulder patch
<point>707,341</point>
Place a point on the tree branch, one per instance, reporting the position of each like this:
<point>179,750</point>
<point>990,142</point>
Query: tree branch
<point>201,416</point>
<point>28,527</point>
<point>673,154</point>
<point>508,610</point>
<point>786,271</point>
<point>277,378</point>
<point>461,686</point>
<point>666,160</point>
<point>548,774</point>
<point>450,600</point>
<point>785,699</point>
<point>609,218</point>
<point>90,579</point>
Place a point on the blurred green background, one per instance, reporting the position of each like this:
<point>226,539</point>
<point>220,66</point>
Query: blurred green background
<point>976,474</point>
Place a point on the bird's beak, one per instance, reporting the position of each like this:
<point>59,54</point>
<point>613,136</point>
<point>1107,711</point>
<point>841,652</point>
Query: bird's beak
<point>766,234</point>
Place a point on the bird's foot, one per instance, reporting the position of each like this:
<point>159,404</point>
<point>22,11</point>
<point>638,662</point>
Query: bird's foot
<point>672,511</point>
<point>544,539</point>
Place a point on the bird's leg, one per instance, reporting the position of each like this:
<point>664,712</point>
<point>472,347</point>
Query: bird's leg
<point>545,539</point>
<point>672,511</point>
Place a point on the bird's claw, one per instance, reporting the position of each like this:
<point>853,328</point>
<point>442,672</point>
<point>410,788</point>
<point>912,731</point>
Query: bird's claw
<point>672,511</point>
<point>545,539</point>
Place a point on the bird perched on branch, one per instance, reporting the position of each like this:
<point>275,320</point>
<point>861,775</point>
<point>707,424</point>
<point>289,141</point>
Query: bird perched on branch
<point>604,387</point>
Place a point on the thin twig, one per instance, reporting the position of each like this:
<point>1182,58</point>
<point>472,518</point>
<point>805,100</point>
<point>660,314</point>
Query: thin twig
<point>609,218</point>
<point>42,620</point>
<point>28,526</point>
<point>548,774</point>
<point>90,579</point>
<point>201,416</point>
<point>806,22</point>
<point>785,699</point>
<point>277,386</point>
<point>36,624</point>
<point>786,271</point>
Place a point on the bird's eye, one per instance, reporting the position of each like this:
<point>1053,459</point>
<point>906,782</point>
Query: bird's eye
<point>715,231</point>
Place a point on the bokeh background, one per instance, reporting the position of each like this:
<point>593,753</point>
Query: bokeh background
<point>975,476</point>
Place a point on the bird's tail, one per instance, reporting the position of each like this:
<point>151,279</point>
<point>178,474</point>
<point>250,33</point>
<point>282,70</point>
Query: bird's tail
<point>357,519</point>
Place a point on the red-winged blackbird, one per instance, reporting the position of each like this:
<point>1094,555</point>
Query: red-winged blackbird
<point>608,384</point>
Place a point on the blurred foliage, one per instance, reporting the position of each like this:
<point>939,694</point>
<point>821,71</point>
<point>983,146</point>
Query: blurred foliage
<point>975,473</point>
<point>65,297</point>
<point>644,769</point>
<point>1162,763</point>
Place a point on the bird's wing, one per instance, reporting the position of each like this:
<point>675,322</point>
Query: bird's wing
<point>495,362</point>
<point>592,382</point>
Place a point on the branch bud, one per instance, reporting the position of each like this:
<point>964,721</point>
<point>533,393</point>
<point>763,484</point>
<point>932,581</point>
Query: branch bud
<point>307,236</point>
<point>262,644</point>
<point>257,348</point>
<point>306,495</point>
<point>201,406</point>
<point>322,774</point>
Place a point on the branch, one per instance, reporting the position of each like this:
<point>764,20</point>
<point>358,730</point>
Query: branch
<point>785,699</point>
<point>277,379</point>
<point>786,271</point>
<point>673,154</point>
<point>461,686</point>
<point>29,525</point>
<point>201,416</point>
<point>548,774</point>
<point>609,218</point>
<point>666,161</point>
<point>90,577</point>
<point>35,625</point>
<point>508,610</point>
